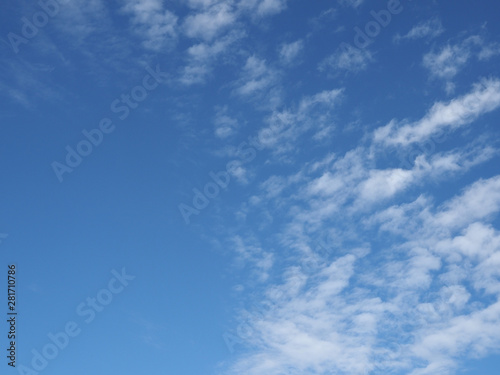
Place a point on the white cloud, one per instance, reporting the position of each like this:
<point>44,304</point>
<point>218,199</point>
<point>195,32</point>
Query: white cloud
<point>478,242</point>
<point>347,58</point>
<point>472,334</point>
<point>484,98</point>
<point>263,8</point>
<point>248,253</point>
<point>415,290</point>
<point>313,112</point>
<point>202,56</point>
<point>351,178</point>
<point>383,184</point>
<point>405,308</point>
<point>209,23</point>
<point>478,202</point>
<point>257,77</point>
<point>447,62</point>
<point>398,308</point>
<point>428,29</point>
<point>225,125</point>
<point>81,18</point>
<point>488,51</point>
<point>157,25</point>
<point>290,51</point>
<point>273,186</point>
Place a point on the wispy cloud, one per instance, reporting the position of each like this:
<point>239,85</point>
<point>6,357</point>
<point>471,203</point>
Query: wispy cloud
<point>429,29</point>
<point>259,82</point>
<point>257,76</point>
<point>249,254</point>
<point>447,62</point>
<point>314,113</point>
<point>484,98</point>
<point>290,52</point>
<point>80,19</point>
<point>210,22</point>
<point>202,56</point>
<point>225,125</point>
<point>26,84</point>
<point>263,8</point>
<point>393,292</point>
<point>155,24</point>
<point>347,58</point>
<point>399,309</point>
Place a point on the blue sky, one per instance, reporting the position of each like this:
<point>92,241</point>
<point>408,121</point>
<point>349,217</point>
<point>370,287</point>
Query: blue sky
<point>252,186</point>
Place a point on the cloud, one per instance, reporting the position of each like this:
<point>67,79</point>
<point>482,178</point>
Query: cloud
<point>461,111</point>
<point>263,8</point>
<point>210,22</point>
<point>479,201</point>
<point>488,51</point>
<point>225,125</point>
<point>404,308</point>
<point>473,334</point>
<point>80,18</point>
<point>202,56</point>
<point>386,183</point>
<point>347,58</point>
<point>351,179</point>
<point>313,113</point>
<point>273,186</point>
<point>391,289</point>
<point>290,51</point>
<point>26,84</point>
<point>250,254</point>
<point>401,308</point>
<point>296,330</point>
<point>259,81</point>
<point>448,61</point>
<point>429,29</point>
<point>157,25</point>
